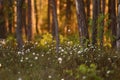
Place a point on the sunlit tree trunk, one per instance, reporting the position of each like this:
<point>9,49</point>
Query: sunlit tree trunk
<point>36,17</point>
<point>54,14</point>
<point>118,28</point>
<point>29,29</point>
<point>95,18</point>
<point>82,25</point>
<point>19,23</point>
<point>112,17</point>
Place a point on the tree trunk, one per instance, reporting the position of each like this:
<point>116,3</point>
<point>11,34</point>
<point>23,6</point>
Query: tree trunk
<point>54,14</point>
<point>19,23</point>
<point>112,17</point>
<point>3,29</point>
<point>88,9</point>
<point>68,15</point>
<point>95,18</point>
<point>49,9</point>
<point>24,18</point>
<point>82,25</point>
<point>118,28</point>
<point>103,2</point>
<point>88,2</point>
<point>36,16</point>
<point>29,32</point>
<point>10,15</point>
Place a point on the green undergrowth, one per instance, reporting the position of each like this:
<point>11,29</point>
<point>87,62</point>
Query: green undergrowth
<point>41,62</point>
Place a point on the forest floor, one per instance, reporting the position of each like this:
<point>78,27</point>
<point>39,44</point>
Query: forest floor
<point>72,62</point>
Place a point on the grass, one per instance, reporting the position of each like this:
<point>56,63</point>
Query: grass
<point>38,62</point>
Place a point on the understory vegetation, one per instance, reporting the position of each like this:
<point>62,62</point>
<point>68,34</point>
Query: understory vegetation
<point>39,61</point>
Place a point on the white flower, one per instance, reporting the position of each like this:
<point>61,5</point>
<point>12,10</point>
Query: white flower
<point>19,52</point>
<point>33,53</point>
<point>70,52</point>
<point>62,50</point>
<point>62,79</point>
<point>22,53</point>
<point>49,76</point>
<point>31,65</point>
<point>42,55</point>
<point>60,60</point>
<point>19,72</point>
<point>28,50</point>
<point>37,54</point>
<point>0,65</point>
<point>21,60</point>
<point>26,58</point>
<point>19,78</point>
<point>36,58</point>
<point>86,49</point>
<point>60,47</point>
<point>108,71</point>
<point>79,52</point>
<point>109,58</point>
<point>84,77</point>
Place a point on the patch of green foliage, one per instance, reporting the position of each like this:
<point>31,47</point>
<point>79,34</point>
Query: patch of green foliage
<point>72,62</point>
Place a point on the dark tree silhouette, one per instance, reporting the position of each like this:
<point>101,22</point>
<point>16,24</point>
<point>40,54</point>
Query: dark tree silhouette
<point>113,24</point>
<point>68,15</point>
<point>55,21</point>
<point>103,2</point>
<point>36,16</point>
<point>95,18</point>
<point>49,13</point>
<point>82,25</point>
<point>19,23</point>
<point>24,16</point>
<point>3,29</point>
<point>29,29</point>
<point>10,15</point>
<point>118,27</point>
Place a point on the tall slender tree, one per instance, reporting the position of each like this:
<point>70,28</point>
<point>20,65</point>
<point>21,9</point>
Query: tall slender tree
<point>24,16</point>
<point>113,24</point>
<point>10,15</point>
<point>29,29</point>
<point>55,21</point>
<point>118,27</point>
<point>103,2</point>
<point>95,18</point>
<point>68,15</point>
<point>88,8</point>
<point>82,25</point>
<point>19,23</point>
<point>101,15</point>
<point>88,2</point>
<point>36,16</point>
<point>49,10</point>
<point>3,29</point>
